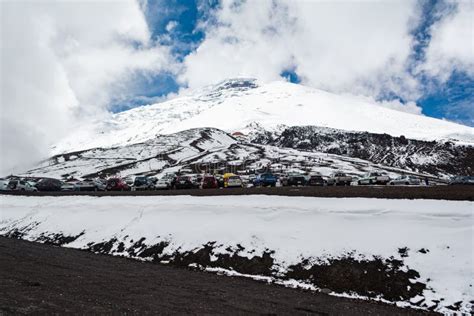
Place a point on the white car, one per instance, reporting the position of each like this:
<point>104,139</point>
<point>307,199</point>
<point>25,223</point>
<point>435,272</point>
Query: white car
<point>31,187</point>
<point>4,185</point>
<point>90,185</point>
<point>68,186</point>
<point>405,180</point>
<point>129,180</point>
<point>163,184</point>
<point>339,178</point>
<point>21,185</point>
<point>232,181</point>
<point>374,178</point>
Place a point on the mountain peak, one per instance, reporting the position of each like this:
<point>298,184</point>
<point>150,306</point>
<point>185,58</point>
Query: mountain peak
<point>233,104</point>
<point>237,84</point>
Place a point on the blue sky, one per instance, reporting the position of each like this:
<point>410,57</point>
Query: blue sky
<point>451,99</point>
<point>75,61</point>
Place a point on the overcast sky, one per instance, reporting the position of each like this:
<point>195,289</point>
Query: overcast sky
<point>63,62</point>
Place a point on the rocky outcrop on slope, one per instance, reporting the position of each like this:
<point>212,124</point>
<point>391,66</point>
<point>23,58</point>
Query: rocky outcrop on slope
<point>435,157</point>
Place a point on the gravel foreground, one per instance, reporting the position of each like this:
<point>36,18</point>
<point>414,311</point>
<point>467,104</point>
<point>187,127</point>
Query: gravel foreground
<point>37,278</point>
<point>445,192</point>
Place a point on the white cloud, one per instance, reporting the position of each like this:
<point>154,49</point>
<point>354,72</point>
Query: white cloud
<point>171,26</point>
<point>408,107</point>
<point>357,47</point>
<point>244,43</point>
<point>62,62</point>
<point>452,44</point>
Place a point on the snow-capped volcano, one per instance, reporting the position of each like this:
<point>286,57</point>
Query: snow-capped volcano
<point>236,104</point>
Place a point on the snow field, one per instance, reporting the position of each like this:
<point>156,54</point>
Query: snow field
<point>293,227</point>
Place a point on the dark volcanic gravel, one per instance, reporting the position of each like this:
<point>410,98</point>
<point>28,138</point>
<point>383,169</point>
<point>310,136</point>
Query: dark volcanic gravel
<point>37,278</point>
<point>444,192</point>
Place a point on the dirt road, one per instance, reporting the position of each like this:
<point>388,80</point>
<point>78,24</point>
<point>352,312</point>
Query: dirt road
<point>388,192</point>
<point>37,278</point>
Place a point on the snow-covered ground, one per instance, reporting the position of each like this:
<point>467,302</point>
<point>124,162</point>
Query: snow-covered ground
<point>236,104</point>
<point>438,235</point>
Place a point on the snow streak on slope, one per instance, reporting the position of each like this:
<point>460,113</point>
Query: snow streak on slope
<point>235,104</point>
<point>430,242</point>
<point>199,150</point>
<point>150,157</point>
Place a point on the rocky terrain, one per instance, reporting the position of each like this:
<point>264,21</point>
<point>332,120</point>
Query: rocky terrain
<point>433,157</point>
<point>299,149</point>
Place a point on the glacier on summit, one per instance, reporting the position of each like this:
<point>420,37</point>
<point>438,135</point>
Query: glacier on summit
<point>237,104</point>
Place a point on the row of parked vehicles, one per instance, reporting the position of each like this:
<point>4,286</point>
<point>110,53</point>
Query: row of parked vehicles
<point>207,181</point>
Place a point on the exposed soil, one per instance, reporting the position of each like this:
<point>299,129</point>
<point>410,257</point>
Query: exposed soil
<point>371,278</point>
<point>38,278</point>
<point>388,192</point>
<point>387,278</point>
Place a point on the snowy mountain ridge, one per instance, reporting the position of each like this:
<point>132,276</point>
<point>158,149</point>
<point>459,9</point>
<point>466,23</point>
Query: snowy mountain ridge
<point>305,149</point>
<point>238,104</point>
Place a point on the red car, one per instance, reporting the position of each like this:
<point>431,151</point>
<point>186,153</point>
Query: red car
<point>117,184</point>
<point>209,182</point>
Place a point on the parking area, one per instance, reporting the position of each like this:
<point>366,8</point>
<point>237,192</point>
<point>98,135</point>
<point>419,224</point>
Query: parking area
<point>451,192</point>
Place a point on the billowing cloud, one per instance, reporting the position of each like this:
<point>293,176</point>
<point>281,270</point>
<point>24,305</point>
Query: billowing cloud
<point>246,40</point>
<point>452,43</point>
<point>361,47</point>
<point>408,107</point>
<point>63,62</point>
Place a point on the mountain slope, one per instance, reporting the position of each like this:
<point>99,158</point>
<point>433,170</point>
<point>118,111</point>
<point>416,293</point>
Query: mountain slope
<point>236,104</point>
<point>434,157</point>
<point>212,150</point>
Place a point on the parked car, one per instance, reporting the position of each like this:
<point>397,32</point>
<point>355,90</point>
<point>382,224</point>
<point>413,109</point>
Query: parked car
<point>30,186</point>
<point>171,177</point>
<point>90,185</point>
<point>405,180</point>
<point>316,180</point>
<point>163,184</point>
<point>250,179</point>
<point>462,180</point>
<point>142,183</point>
<point>117,184</point>
<point>14,185</point>
<point>339,178</point>
<point>209,182</point>
<point>21,185</point>
<point>374,178</point>
<point>232,181</point>
<point>48,184</point>
<point>184,182</point>
<point>4,184</point>
<point>265,179</point>
<point>295,179</point>
<point>197,179</point>
<point>68,186</point>
<point>128,181</point>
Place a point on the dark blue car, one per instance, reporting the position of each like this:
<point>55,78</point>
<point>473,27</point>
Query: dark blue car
<point>265,179</point>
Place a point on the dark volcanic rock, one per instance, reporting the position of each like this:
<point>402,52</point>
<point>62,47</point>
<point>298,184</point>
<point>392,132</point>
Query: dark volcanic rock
<point>58,239</point>
<point>435,157</point>
<point>368,277</point>
<point>205,257</point>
